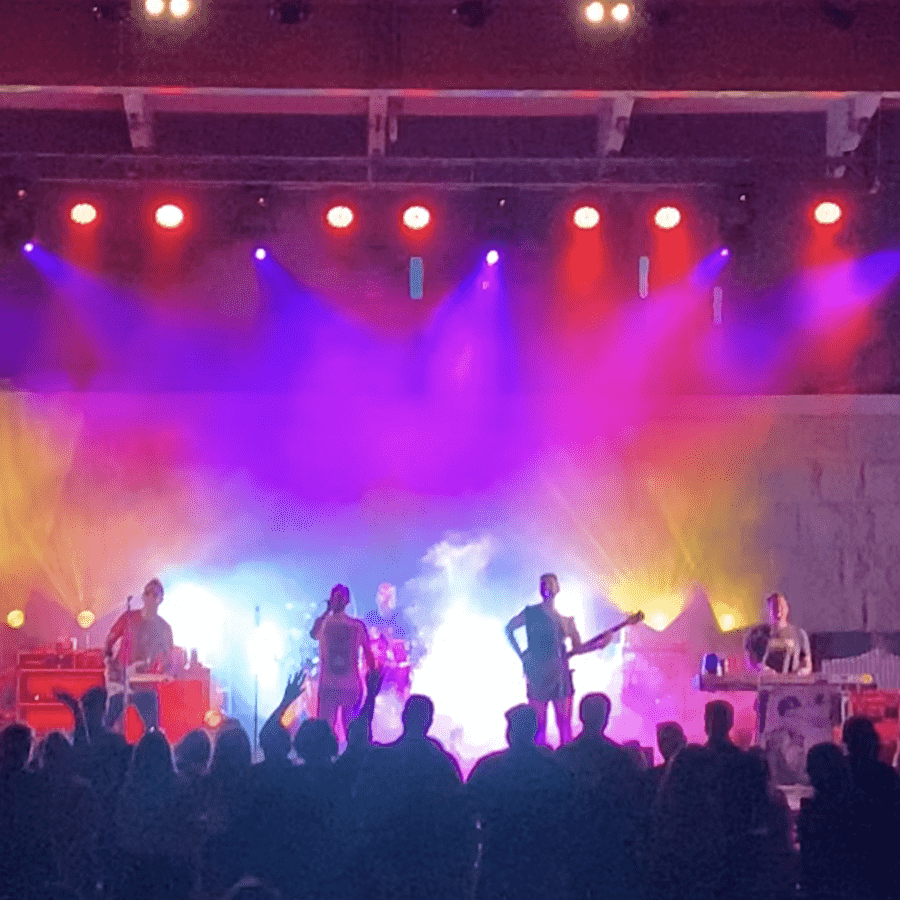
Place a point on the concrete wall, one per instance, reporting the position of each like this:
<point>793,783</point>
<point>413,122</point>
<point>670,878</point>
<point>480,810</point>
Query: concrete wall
<point>827,473</point>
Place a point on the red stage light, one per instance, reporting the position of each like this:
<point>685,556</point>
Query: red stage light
<point>169,216</point>
<point>340,217</point>
<point>667,217</point>
<point>416,218</point>
<point>828,213</point>
<point>586,217</point>
<point>83,213</point>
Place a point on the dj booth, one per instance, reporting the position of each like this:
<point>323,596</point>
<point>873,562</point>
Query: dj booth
<point>796,712</point>
<point>183,700</point>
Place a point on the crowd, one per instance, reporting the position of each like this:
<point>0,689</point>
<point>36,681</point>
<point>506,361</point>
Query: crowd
<point>93,817</point>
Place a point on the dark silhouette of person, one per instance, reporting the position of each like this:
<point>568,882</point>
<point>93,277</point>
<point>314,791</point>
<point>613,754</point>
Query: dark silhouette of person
<point>522,798</point>
<point>879,787</point>
<point>26,858</point>
<point>72,814</point>
<point>670,739</point>
<point>764,867</point>
<point>832,857</point>
<point>156,825</point>
<point>409,796</point>
<point>225,805</point>
<point>609,812</point>
<point>731,773</point>
<point>192,755</point>
<point>686,852</point>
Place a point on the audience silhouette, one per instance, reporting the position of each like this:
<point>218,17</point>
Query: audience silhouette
<point>95,819</point>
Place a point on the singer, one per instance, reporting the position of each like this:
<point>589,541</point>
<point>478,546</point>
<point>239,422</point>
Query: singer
<point>341,638</point>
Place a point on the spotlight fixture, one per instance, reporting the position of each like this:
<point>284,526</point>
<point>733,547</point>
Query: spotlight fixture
<point>667,217</point>
<point>169,216</point>
<point>595,12</point>
<point>827,213</point>
<point>179,9</point>
<point>473,13</point>
<point>17,213</point>
<point>724,253</point>
<point>260,253</point>
<point>340,217</point>
<point>289,12</point>
<point>416,218</point>
<point>727,621</point>
<point>28,247</point>
<point>15,618</point>
<point>586,217</point>
<point>154,8</point>
<point>492,257</point>
<point>85,619</point>
<point>83,213</point>
<point>620,13</point>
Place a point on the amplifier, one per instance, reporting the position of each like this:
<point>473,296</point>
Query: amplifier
<point>883,708</point>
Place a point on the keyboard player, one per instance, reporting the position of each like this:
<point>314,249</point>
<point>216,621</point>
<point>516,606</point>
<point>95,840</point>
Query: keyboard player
<point>778,646</point>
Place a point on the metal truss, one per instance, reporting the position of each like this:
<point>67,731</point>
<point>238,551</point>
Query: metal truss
<point>385,171</point>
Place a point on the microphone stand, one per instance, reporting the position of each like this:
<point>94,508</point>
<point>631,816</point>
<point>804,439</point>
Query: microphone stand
<point>256,688</point>
<point>125,683</point>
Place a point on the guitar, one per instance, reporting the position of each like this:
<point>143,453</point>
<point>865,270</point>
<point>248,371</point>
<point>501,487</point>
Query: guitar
<point>543,672</point>
<point>599,641</point>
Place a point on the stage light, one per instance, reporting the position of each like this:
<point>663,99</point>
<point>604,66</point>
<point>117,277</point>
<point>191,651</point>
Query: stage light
<point>667,217</point>
<point>27,247</point>
<point>827,213</point>
<point>154,8</point>
<point>415,218</point>
<point>340,217</point>
<point>260,253</point>
<point>586,217</point>
<point>724,252</point>
<point>658,621</point>
<point>180,8</point>
<point>212,718</point>
<point>594,12</point>
<point>621,13</point>
<point>492,257</point>
<point>83,213</point>
<point>727,622</point>
<point>169,215</point>
<point>85,619</point>
<point>15,618</point>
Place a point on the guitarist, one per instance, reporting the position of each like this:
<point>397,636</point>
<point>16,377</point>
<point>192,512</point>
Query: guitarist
<point>546,659</point>
<point>139,641</point>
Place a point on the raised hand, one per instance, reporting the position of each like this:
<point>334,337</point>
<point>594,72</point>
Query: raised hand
<point>66,698</point>
<point>294,687</point>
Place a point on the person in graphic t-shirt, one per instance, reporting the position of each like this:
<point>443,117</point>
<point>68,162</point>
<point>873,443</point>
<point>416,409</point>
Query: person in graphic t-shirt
<point>341,638</point>
<point>779,646</point>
